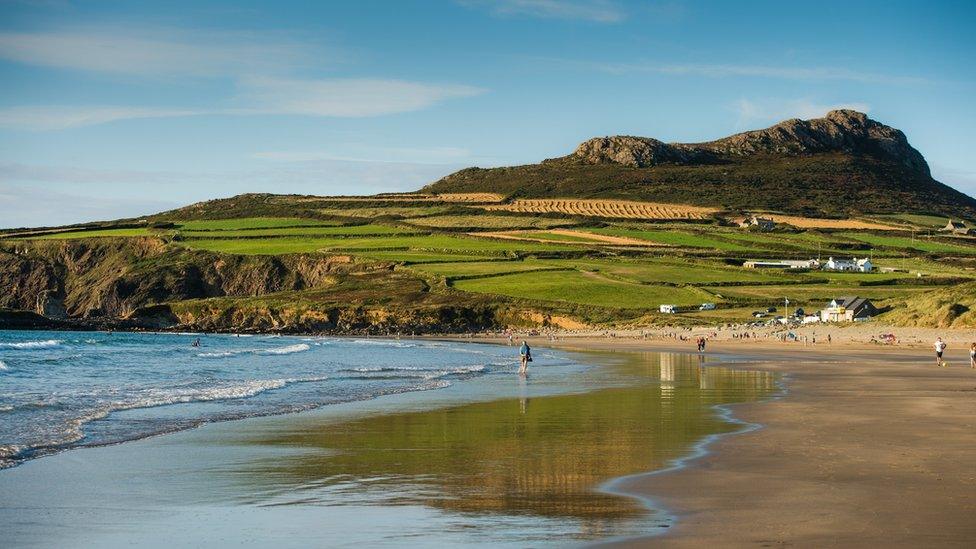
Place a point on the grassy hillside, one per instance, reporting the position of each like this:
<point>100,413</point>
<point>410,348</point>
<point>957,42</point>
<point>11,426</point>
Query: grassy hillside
<point>951,307</point>
<point>425,263</point>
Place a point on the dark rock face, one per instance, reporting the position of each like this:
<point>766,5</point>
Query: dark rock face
<point>844,131</point>
<point>60,280</point>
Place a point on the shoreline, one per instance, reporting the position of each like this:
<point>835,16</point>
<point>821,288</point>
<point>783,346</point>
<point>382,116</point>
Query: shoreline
<point>52,466</point>
<point>730,487</point>
<point>869,447</point>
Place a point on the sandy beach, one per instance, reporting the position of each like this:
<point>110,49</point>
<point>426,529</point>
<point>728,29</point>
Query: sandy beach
<point>869,447</point>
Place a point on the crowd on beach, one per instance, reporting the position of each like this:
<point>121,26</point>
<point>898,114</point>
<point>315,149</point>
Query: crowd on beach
<point>743,333</point>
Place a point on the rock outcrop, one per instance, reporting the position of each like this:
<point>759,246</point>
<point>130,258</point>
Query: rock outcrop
<point>843,131</point>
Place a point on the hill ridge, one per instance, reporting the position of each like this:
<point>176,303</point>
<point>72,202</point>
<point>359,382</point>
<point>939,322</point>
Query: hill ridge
<point>839,164</point>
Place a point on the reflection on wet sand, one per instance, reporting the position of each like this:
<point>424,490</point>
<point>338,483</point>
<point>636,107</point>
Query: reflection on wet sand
<point>540,457</point>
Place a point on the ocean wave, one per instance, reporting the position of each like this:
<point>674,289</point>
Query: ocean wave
<point>32,344</point>
<point>72,429</point>
<point>3,366</point>
<point>6,408</point>
<point>287,350</point>
<point>297,348</point>
<point>385,343</point>
<point>410,372</point>
<point>219,354</point>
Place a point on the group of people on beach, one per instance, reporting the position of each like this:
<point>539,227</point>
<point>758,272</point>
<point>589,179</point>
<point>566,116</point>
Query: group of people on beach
<point>940,347</point>
<point>701,341</point>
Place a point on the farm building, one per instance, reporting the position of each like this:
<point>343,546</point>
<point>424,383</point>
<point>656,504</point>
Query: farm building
<point>956,227</point>
<point>763,223</point>
<point>782,264</point>
<point>848,309</point>
<point>852,265</point>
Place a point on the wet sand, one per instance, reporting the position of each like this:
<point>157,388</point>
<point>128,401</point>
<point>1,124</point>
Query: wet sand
<point>870,447</point>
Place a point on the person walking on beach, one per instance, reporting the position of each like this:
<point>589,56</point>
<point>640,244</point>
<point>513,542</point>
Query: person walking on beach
<point>940,348</point>
<point>525,354</point>
<point>972,355</point>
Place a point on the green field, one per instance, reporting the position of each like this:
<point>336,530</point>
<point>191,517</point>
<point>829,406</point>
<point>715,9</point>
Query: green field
<point>674,238</point>
<point>579,288</point>
<point>449,243</point>
<point>908,243</point>
<point>249,223</point>
<point>926,221</point>
<point>480,268</point>
<point>657,270</point>
<point>422,257</point>
<point>325,230</point>
<point>813,294</point>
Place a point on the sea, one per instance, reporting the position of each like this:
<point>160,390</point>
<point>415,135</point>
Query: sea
<point>62,390</point>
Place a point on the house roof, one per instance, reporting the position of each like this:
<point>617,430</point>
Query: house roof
<point>852,302</point>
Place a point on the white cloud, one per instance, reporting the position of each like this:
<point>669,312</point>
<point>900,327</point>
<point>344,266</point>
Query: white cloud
<point>766,111</point>
<point>351,97</point>
<point>60,117</point>
<point>159,52</point>
<point>348,98</point>
<point>598,11</point>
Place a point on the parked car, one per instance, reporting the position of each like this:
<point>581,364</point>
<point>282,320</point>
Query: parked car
<point>707,307</point>
<point>771,309</point>
<point>759,314</point>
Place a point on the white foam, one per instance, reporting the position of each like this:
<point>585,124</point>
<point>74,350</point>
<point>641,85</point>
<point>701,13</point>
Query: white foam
<point>221,354</point>
<point>3,366</point>
<point>287,350</point>
<point>32,344</point>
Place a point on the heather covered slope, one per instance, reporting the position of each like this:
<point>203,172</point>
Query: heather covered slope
<point>843,164</point>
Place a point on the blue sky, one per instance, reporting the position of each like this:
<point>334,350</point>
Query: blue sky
<point>112,109</point>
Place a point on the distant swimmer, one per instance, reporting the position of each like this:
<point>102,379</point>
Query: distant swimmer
<point>196,342</point>
<point>525,354</point>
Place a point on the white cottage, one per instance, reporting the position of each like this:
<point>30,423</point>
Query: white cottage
<point>854,265</point>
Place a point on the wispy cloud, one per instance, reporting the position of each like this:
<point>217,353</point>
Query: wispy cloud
<point>354,97</point>
<point>60,117</point>
<point>598,11</point>
<point>259,69</point>
<point>707,70</point>
<point>347,98</point>
<point>765,111</point>
<point>160,52</point>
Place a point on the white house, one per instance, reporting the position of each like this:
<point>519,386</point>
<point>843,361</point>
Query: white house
<point>850,265</point>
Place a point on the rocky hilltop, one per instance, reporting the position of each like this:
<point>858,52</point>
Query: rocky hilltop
<point>840,131</point>
<point>844,163</point>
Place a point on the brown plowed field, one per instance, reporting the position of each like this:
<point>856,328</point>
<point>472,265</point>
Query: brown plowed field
<point>623,209</point>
